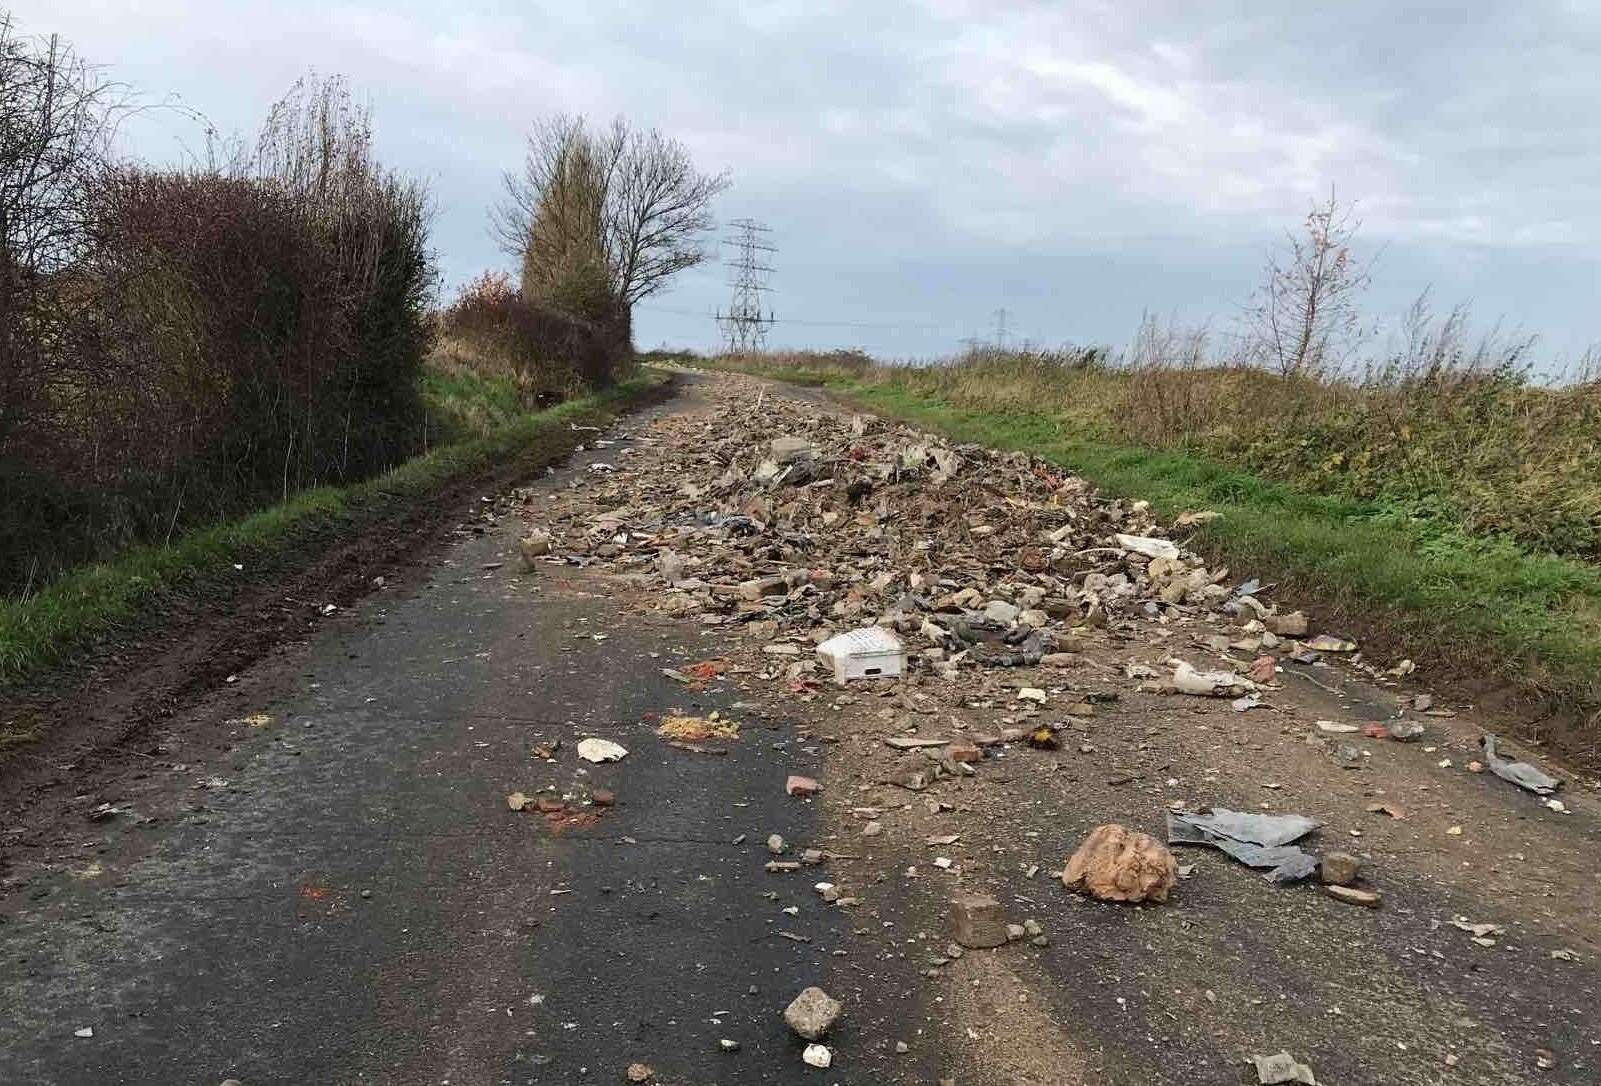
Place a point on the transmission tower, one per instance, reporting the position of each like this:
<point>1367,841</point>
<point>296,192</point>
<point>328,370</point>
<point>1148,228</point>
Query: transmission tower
<point>745,325</point>
<point>1000,328</point>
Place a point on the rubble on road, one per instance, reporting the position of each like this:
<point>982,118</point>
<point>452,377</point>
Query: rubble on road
<point>978,921</point>
<point>1117,864</point>
<point>600,750</point>
<point>855,549</point>
<point>1281,1067</point>
<point>1261,841</point>
<point>812,1013</point>
<point>1522,774</point>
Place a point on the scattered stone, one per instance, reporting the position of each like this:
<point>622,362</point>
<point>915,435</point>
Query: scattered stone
<point>1353,896</point>
<point>1338,868</point>
<point>536,544</point>
<point>1117,864</point>
<point>812,1013</point>
<point>801,786</point>
<point>728,1045</point>
<point>964,752</point>
<point>776,845</point>
<point>1280,1068</point>
<point>817,1056</point>
<point>1293,624</point>
<point>640,1072</point>
<point>601,750</point>
<point>978,921</point>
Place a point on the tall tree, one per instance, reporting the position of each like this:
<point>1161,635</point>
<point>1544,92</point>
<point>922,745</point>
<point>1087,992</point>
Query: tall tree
<point>624,202</point>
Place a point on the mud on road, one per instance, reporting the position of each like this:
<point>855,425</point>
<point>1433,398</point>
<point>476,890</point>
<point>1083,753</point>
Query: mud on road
<point>312,873</point>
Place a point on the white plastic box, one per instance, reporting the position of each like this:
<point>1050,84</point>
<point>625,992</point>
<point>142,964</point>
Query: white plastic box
<point>871,652</point>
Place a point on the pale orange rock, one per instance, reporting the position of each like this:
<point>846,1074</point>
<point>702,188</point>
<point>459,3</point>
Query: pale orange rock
<point>1117,864</point>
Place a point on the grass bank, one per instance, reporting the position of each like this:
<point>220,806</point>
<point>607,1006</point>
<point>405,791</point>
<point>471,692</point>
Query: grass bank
<point>1480,606</point>
<point>74,609</point>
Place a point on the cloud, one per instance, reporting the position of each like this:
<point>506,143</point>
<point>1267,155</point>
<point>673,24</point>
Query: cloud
<point>924,163</point>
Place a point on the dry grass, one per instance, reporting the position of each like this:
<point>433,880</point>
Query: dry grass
<point>1439,432</point>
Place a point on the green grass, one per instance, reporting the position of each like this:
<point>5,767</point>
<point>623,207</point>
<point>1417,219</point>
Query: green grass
<point>1420,588</point>
<point>42,629</point>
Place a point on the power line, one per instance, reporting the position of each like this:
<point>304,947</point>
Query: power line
<point>745,326</point>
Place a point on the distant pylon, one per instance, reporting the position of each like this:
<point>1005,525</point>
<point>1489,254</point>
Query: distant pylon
<point>745,325</point>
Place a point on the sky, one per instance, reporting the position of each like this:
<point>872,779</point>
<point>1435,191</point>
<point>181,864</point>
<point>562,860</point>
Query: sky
<point>922,166</point>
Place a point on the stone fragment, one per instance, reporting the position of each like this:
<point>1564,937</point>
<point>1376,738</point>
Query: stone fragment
<point>817,1056</point>
<point>1338,868</point>
<point>801,786</point>
<point>1293,624</point>
<point>1353,896</point>
<point>1001,611</point>
<point>535,544</point>
<point>1117,864</point>
<point>603,797</point>
<point>1280,1068</point>
<point>776,845</point>
<point>964,752</point>
<point>978,921</point>
<point>812,1013</point>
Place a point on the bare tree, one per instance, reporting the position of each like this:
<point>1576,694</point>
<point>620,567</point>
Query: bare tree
<point>630,199</point>
<point>1304,318</point>
<point>57,120</point>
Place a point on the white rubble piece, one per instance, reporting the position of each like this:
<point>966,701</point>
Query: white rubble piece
<point>871,652</point>
<point>601,750</point>
<point>1147,545</point>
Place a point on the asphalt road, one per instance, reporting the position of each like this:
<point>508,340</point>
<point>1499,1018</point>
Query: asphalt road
<point>340,893</point>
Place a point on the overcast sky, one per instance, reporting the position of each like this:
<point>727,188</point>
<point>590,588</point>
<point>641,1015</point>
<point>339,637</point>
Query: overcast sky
<point>922,165</point>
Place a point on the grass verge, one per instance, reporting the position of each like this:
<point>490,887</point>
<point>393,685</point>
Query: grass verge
<point>1478,606</point>
<point>42,629</point>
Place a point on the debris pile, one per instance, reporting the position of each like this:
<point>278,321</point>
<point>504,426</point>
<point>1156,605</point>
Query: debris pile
<point>857,548</point>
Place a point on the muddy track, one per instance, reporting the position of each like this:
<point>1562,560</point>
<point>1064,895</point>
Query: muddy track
<point>96,713</point>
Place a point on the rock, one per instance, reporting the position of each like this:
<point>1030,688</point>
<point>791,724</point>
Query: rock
<point>601,750</point>
<point>812,1013</point>
<point>1338,868</point>
<point>978,921</point>
<point>776,845</point>
<point>1404,731</point>
<point>536,544</point>
<point>1293,624</point>
<point>1001,611</point>
<point>1014,932</point>
<point>1117,864</point>
<point>1352,896</point>
<point>763,586</point>
<point>670,565</point>
<point>728,1045</point>
<point>639,1072</point>
<point>872,829</point>
<point>1280,1068</point>
<point>801,786</point>
<point>964,752</point>
<point>817,1056</point>
<point>602,797</point>
<point>786,450</point>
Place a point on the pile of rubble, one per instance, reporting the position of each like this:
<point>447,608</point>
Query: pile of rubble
<point>976,560</point>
